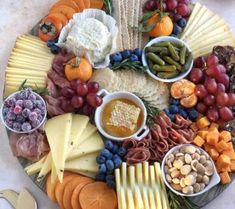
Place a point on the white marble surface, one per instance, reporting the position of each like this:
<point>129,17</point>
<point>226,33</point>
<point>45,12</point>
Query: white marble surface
<point>19,16</point>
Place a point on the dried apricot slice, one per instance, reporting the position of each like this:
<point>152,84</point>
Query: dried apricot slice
<point>189,101</point>
<point>182,88</point>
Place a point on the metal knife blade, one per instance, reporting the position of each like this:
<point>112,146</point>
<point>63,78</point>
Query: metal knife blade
<point>10,195</point>
<point>26,200</point>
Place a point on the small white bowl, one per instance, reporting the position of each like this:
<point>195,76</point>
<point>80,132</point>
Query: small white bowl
<point>23,132</point>
<point>107,97</point>
<point>214,179</point>
<point>172,40</point>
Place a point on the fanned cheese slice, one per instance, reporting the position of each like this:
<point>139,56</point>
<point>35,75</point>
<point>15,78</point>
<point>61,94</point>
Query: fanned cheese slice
<point>93,144</point>
<point>23,72</point>
<point>46,168</point>
<point>86,163</point>
<point>35,167</point>
<point>58,132</point>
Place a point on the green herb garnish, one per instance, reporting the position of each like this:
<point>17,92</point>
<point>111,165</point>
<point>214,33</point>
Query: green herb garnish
<point>108,7</point>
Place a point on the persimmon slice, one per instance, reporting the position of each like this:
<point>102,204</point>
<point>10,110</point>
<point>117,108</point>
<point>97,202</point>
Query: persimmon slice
<point>97,196</point>
<point>80,4</point>
<point>189,101</point>
<point>97,4</point>
<point>66,10</point>
<point>182,88</point>
<point>70,3</point>
<point>87,3</point>
<point>61,17</point>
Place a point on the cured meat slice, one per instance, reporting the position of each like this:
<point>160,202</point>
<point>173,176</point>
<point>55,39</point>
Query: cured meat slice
<point>58,80</point>
<point>137,155</point>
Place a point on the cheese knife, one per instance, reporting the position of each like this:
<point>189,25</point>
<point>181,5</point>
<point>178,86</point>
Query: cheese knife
<point>10,195</point>
<point>26,200</point>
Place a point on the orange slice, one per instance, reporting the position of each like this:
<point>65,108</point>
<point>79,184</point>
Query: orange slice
<point>182,88</point>
<point>189,101</point>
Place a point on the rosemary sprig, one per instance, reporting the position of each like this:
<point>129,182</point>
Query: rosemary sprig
<point>180,202</point>
<point>108,7</point>
<point>128,65</point>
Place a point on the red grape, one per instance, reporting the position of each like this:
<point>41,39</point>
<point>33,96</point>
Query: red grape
<point>87,109</point>
<point>213,114</point>
<point>222,99</point>
<point>67,92</point>
<point>82,89</point>
<point>220,88</point>
<point>150,5</point>
<point>94,100</point>
<point>183,9</point>
<point>171,4</point>
<point>184,1</point>
<point>231,100</point>
<point>201,107</point>
<point>209,100</point>
<point>200,62</point>
<point>163,7</point>
<point>74,84</point>
<point>200,91</point>
<point>77,101</point>
<point>211,85</point>
<point>222,68</point>
<point>196,75</point>
<point>226,114</point>
<point>213,71</point>
<point>224,79</point>
<point>93,87</point>
<point>212,60</point>
<point>66,106</point>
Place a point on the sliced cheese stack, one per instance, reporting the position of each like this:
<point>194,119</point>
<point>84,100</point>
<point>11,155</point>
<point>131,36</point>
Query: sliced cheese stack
<point>205,30</point>
<point>141,186</point>
<point>30,59</point>
<point>75,144</point>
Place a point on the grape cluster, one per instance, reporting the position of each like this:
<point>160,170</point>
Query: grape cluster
<point>212,89</point>
<point>110,158</point>
<point>176,108</point>
<point>132,55</point>
<point>81,96</point>
<point>23,111</point>
<point>179,10</point>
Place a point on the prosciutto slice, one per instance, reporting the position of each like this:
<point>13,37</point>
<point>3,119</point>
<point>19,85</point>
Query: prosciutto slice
<point>58,80</point>
<point>137,155</point>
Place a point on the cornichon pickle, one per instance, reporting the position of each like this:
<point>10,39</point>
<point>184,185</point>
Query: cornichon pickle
<point>150,64</point>
<point>164,52</point>
<point>162,44</point>
<point>182,55</point>
<point>168,74</point>
<point>188,62</point>
<point>165,68</point>
<point>155,58</point>
<point>173,53</point>
<point>169,60</point>
<point>177,45</point>
<point>155,49</point>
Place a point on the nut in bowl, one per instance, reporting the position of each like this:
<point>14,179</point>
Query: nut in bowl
<point>122,115</point>
<point>189,171</point>
<point>23,111</point>
<point>167,59</point>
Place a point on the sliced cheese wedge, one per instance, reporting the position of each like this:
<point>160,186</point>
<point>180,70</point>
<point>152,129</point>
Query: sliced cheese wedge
<point>19,82</point>
<point>35,167</point>
<point>93,144</point>
<point>46,168</point>
<point>25,46</point>
<point>86,163</point>
<point>28,66</point>
<point>30,56</point>
<point>26,71</point>
<point>30,53</point>
<point>58,132</point>
<point>20,77</point>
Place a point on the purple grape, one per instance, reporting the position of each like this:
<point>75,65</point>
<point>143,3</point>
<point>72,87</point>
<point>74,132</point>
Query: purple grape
<point>5,110</point>
<point>19,102</point>
<point>40,118</point>
<point>36,123</point>
<point>33,116</point>
<point>17,110</point>
<point>38,111</point>
<point>28,104</point>
<point>26,112</point>
<point>39,104</point>
<point>26,126</point>
<point>9,123</point>
<point>16,126</point>
<point>11,115</point>
<point>20,118</point>
<point>10,102</point>
<point>32,97</point>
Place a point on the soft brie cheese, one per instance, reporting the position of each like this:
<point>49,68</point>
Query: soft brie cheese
<point>91,36</point>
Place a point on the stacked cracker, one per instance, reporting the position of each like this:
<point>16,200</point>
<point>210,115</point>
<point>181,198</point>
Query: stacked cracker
<point>128,14</point>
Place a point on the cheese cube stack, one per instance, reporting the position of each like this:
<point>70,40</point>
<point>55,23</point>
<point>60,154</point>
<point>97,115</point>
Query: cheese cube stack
<point>30,59</point>
<point>141,187</point>
<point>73,147</point>
<point>205,30</point>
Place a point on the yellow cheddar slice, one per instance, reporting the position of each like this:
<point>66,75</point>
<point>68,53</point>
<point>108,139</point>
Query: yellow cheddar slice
<point>58,132</point>
<point>36,54</point>
<point>28,66</point>
<point>27,77</point>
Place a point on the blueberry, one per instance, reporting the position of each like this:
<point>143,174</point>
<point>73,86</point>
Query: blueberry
<point>26,126</point>
<point>9,122</point>
<point>26,112</point>
<point>138,52</point>
<point>117,57</point>
<point>115,149</point>
<point>19,102</point>
<point>183,113</point>
<point>121,151</point>
<point>38,111</point>
<point>11,116</point>
<point>134,58</point>
<point>32,97</point>
<point>106,153</point>
<point>100,159</point>
<point>177,29</point>
<point>10,102</point>
<point>36,123</point>
<point>55,49</point>
<point>40,118</point>
<point>166,110</point>
<point>33,116</point>
<point>20,118</point>
<point>111,172</point>
<point>50,43</point>
<point>16,126</point>
<point>109,145</point>
<point>173,109</point>
<point>182,22</point>
<point>172,117</point>
<point>110,177</point>
<point>110,165</point>
<point>174,101</point>
<point>102,168</point>
<point>28,104</point>
<point>193,115</point>
<point>111,184</point>
<point>5,110</point>
<point>117,162</point>
<point>100,177</point>
<point>126,54</point>
<point>24,94</point>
